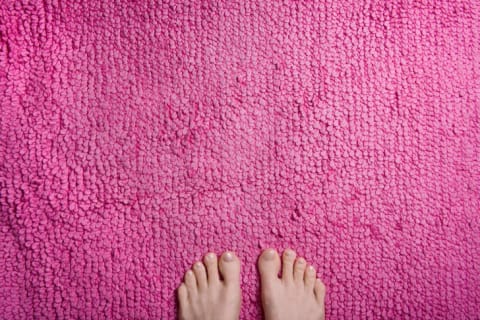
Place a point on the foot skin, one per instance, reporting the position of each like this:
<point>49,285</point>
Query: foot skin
<point>204,295</point>
<point>298,294</point>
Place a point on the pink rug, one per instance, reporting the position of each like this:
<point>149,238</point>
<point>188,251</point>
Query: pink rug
<point>135,137</point>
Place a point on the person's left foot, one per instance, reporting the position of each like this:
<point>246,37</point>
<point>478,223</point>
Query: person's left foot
<point>204,295</point>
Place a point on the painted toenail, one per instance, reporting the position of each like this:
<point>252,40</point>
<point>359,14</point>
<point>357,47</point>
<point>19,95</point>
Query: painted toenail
<point>269,254</point>
<point>228,256</point>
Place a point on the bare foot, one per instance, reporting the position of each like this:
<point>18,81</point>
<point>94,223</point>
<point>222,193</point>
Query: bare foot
<point>297,295</point>
<point>204,295</point>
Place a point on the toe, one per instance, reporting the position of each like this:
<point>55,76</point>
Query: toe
<point>320,291</point>
<point>287,265</point>
<point>200,275</point>
<point>299,270</point>
<point>269,265</point>
<point>211,262</point>
<point>309,279</point>
<point>182,295</point>
<point>191,283</point>
<point>229,267</point>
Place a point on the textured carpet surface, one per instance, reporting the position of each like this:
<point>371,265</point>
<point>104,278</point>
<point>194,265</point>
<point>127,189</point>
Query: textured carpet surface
<point>136,136</point>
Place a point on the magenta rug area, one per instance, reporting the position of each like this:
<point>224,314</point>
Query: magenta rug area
<point>137,136</point>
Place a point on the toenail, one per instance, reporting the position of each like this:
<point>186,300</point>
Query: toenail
<point>269,254</point>
<point>289,253</point>
<point>198,265</point>
<point>210,256</point>
<point>189,273</point>
<point>311,269</point>
<point>301,261</point>
<point>228,256</point>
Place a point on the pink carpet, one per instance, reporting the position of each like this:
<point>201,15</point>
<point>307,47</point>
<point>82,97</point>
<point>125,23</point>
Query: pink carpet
<point>136,136</point>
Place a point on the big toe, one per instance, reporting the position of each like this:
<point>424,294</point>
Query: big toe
<point>229,267</point>
<point>269,265</point>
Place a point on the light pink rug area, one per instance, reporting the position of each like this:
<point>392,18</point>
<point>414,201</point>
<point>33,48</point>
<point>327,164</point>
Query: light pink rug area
<point>138,135</point>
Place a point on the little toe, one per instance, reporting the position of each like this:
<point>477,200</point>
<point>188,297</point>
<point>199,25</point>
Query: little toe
<point>191,283</point>
<point>269,265</point>
<point>200,275</point>
<point>299,270</point>
<point>310,276</point>
<point>320,291</point>
<point>211,262</point>
<point>287,265</point>
<point>182,295</point>
<point>229,267</point>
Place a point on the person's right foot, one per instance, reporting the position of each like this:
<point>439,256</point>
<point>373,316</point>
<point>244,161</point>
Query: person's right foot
<point>297,295</point>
